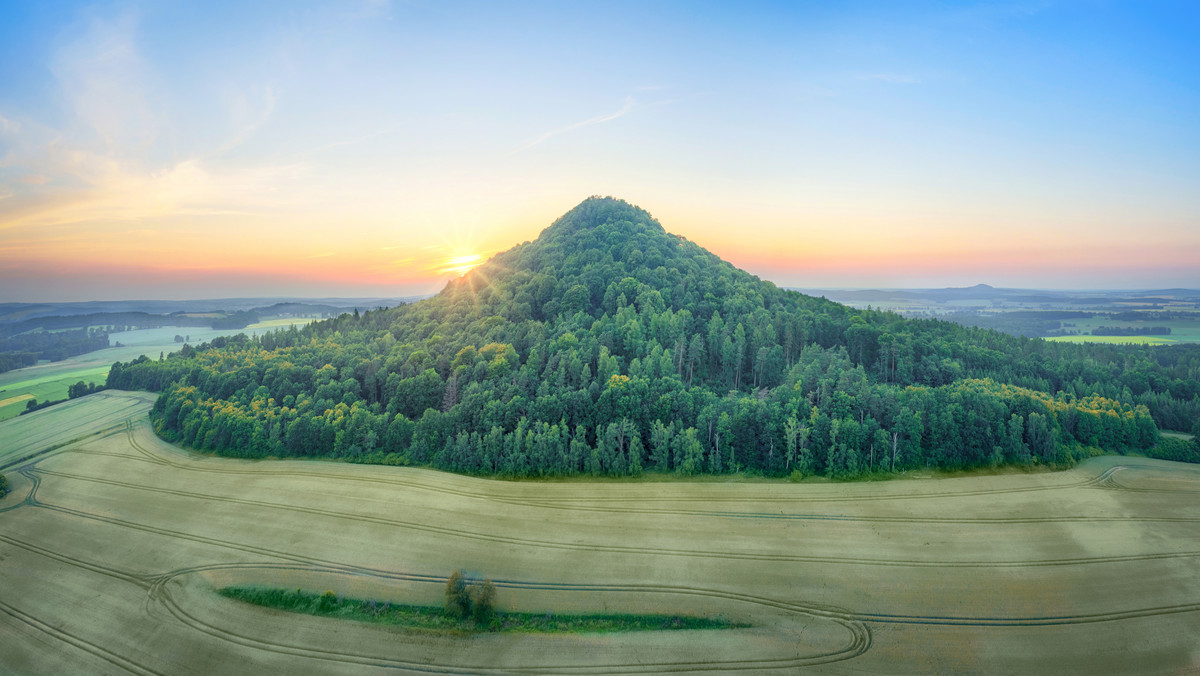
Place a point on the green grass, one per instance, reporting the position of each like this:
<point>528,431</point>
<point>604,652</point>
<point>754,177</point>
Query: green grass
<point>281,322</point>
<point>46,387</point>
<point>434,618</point>
<point>1182,331</point>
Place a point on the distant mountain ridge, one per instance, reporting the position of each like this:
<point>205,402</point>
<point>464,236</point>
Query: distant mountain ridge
<point>987,292</point>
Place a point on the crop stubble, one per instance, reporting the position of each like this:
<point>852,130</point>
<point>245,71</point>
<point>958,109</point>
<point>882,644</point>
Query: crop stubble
<point>113,542</point>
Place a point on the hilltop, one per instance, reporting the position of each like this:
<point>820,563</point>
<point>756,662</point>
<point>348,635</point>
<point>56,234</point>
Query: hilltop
<point>609,346</point>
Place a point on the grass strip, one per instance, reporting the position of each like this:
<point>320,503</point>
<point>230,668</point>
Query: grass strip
<point>434,618</point>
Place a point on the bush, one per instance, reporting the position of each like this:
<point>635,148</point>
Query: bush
<point>328,601</point>
<point>3,486</point>
<point>796,475</point>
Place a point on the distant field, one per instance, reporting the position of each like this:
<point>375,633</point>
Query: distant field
<point>115,545</point>
<point>50,381</point>
<point>275,323</point>
<point>1182,331</point>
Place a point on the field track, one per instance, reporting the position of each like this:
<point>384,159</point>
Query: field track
<point>113,541</point>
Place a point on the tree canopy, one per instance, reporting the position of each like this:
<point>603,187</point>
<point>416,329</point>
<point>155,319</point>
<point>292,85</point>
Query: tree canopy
<point>608,346</point>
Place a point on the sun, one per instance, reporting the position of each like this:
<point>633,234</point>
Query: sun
<point>461,265</point>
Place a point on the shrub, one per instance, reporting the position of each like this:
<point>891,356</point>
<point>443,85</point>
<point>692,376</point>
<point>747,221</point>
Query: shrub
<point>328,601</point>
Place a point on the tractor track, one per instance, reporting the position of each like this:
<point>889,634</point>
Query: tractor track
<point>443,531</point>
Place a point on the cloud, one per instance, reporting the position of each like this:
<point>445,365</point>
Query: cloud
<point>110,192</point>
<point>103,80</point>
<point>108,161</point>
<point>599,119</point>
<point>247,116</point>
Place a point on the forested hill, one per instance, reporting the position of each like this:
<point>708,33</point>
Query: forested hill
<point>609,346</point>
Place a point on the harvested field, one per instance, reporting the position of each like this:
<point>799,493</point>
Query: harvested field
<point>113,542</point>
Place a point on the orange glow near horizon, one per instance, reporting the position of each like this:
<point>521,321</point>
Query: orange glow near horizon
<point>393,255</point>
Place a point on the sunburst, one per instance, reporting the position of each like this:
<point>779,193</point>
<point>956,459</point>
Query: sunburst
<point>460,265</point>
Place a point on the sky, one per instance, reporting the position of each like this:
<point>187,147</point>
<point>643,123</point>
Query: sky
<point>370,148</point>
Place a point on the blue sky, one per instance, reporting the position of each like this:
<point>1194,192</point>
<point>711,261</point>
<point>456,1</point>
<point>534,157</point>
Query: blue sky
<point>215,149</point>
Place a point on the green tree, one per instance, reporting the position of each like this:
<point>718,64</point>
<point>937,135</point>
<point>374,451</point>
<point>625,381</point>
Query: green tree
<point>458,596</point>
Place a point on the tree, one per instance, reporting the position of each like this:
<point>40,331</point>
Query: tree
<point>483,596</point>
<point>791,436</point>
<point>660,445</point>
<point>458,596</point>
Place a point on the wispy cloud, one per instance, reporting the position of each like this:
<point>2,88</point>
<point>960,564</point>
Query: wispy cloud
<point>599,119</point>
<point>103,80</point>
<point>248,116</point>
<point>348,142</point>
<point>108,161</point>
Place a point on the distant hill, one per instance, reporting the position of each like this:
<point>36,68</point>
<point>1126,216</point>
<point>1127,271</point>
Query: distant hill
<point>984,292</point>
<point>610,346</point>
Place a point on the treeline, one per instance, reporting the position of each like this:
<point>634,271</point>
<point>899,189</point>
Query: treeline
<point>129,321</point>
<point>27,348</point>
<point>610,347</point>
<point>1131,331</point>
<point>1012,323</point>
<point>235,320</point>
<point>852,431</point>
<point>17,360</point>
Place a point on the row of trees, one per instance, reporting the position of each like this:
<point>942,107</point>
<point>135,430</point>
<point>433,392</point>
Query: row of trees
<point>27,348</point>
<point>970,423</point>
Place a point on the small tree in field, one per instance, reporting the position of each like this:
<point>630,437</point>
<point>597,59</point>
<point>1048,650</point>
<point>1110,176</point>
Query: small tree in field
<point>458,597</point>
<point>483,596</point>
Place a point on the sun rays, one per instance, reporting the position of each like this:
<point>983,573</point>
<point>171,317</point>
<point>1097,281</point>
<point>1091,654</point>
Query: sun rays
<point>459,265</point>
